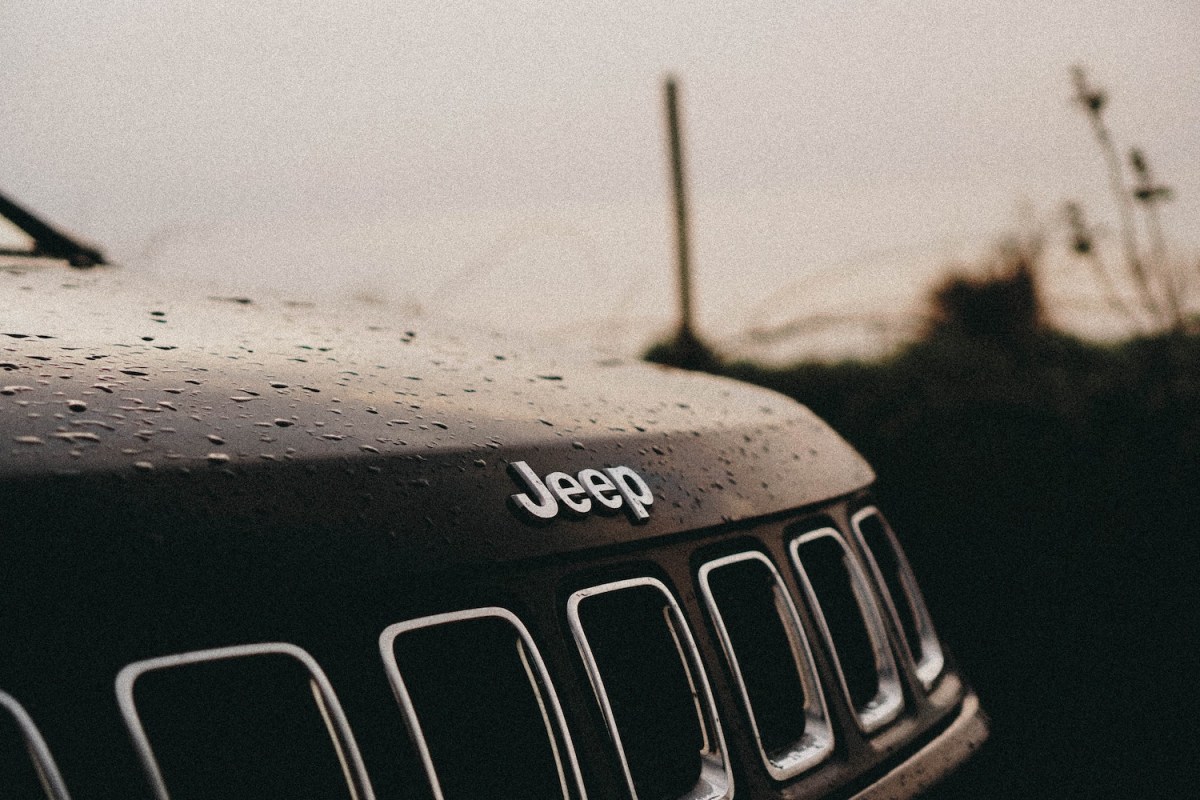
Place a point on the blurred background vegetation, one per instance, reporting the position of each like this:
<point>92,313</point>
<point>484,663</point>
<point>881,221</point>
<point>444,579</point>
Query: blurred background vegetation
<point>1047,490</point>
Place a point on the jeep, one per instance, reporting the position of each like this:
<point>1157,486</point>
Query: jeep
<point>256,547</point>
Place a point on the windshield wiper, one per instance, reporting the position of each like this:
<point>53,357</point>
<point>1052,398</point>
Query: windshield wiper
<point>48,241</point>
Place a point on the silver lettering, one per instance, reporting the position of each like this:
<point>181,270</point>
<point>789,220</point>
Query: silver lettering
<point>567,489</point>
<point>546,506</point>
<point>610,489</point>
<point>602,490</point>
<point>636,492</point>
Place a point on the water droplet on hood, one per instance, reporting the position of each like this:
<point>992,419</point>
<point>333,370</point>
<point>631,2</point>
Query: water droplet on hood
<point>76,436</point>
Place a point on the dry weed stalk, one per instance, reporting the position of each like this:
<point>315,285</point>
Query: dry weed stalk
<point>1161,289</point>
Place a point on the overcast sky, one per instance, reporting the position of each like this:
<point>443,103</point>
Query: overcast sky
<point>506,159</point>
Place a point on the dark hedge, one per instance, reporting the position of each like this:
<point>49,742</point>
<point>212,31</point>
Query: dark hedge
<point>1048,493</point>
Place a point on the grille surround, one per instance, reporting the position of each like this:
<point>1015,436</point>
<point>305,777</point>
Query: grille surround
<point>932,660</point>
<point>818,741</point>
<point>39,753</point>
<point>342,738</point>
<point>569,772</point>
<point>888,702</point>
<point>716,778</point>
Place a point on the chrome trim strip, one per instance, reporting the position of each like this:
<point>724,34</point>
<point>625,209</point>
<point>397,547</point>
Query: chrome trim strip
<point>556,724</point>
<point>817,742</point>
<point>888,702</point>
<point>39,753</point>
<point>327,703</point>
<point>929,666</point>
<point>716,772</point>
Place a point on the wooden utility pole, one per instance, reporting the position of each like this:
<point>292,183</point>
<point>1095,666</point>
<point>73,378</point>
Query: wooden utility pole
<point>686,327</point>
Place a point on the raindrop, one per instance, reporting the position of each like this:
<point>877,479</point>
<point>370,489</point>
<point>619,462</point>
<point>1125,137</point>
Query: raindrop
<point>78,406</point>
<point>212,437</point>
<point>143,466</point>
<point>76,436</point>
<point>284,423</point>
<point>99,423</point>
<point>28,440</point>
<point>218,458</point>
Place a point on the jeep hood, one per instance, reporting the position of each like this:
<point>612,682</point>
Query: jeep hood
<point>125,400</point>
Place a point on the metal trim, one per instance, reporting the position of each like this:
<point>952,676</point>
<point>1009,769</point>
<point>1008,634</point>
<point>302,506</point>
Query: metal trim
<point>560,737</point>
<point>888,702</point>
<point>335,719</point>
<point>817,743</point>
<point>929,666</point>
<point>39,753</point>
<point>716,773</point>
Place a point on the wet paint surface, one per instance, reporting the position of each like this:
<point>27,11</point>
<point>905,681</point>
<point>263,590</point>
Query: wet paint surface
<point>241,407</point>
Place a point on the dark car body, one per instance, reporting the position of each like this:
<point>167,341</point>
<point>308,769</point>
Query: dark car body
<point>210,501</point>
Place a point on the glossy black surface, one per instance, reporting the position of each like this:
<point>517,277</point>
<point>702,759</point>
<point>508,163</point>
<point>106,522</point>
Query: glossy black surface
<point>181,472</point>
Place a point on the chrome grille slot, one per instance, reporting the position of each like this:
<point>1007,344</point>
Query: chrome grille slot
<point>251,721</point>
<point>838,593</point>
<point>481,707</point>
<point>26,767</point>
<point>653,693</point>
<point>901,592</point>
<point>769,656</point>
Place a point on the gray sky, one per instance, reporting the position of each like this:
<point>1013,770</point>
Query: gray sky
<point>505,160</point>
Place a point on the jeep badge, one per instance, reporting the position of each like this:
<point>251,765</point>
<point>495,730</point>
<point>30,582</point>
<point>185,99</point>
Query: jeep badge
<point>608,489</point>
